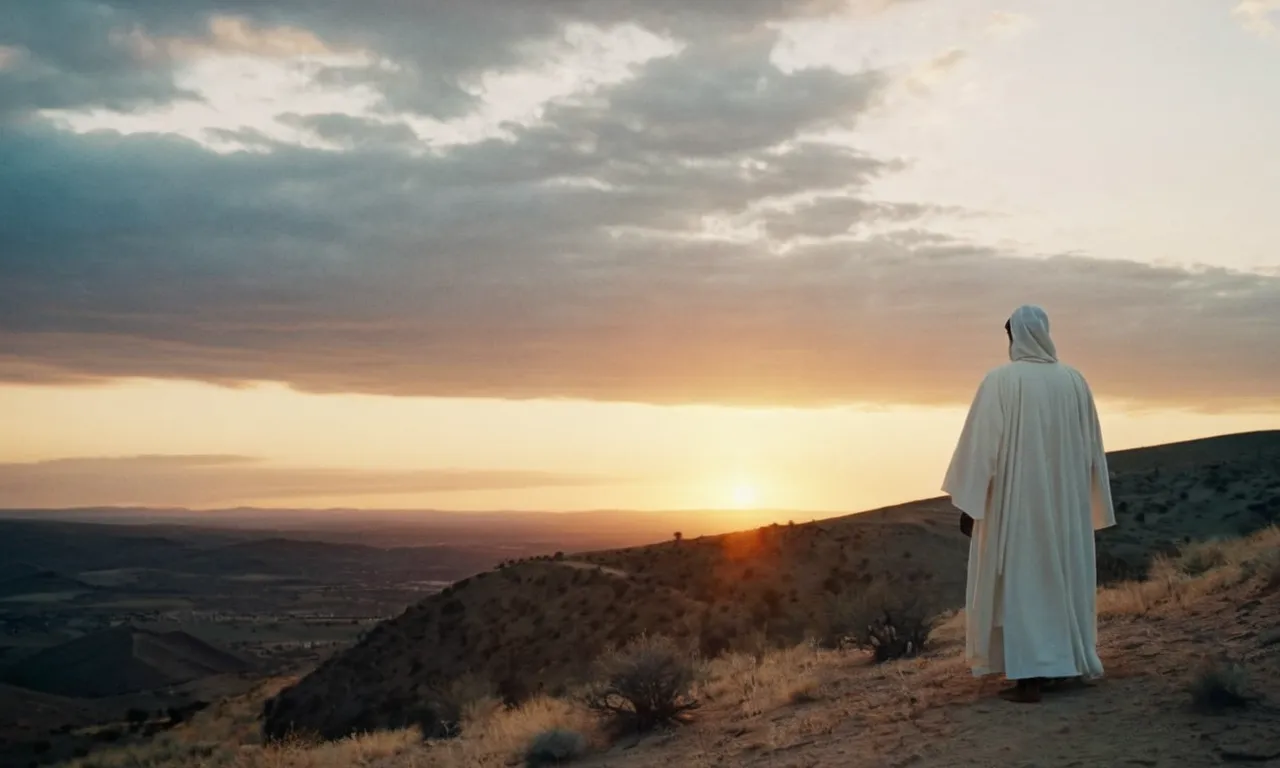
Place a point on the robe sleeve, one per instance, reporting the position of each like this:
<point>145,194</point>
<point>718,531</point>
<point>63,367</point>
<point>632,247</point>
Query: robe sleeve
<point>973,465</point>
<point>1103,511</point>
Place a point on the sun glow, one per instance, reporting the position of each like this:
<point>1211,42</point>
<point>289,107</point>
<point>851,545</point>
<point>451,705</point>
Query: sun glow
<point>745,496</point>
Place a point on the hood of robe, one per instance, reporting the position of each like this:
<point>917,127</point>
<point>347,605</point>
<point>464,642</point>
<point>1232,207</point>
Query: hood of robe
<point>1029,326</point>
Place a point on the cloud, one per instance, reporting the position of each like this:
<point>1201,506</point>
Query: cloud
<point>225,35</point>
<point>1262,17</point>
<point>925,77</point>
<point>90,55</point>
<point>1008,24</point>
<point>683,230</point>
<point>206,481</point>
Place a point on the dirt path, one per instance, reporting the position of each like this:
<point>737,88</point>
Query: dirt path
<point>585,566</point>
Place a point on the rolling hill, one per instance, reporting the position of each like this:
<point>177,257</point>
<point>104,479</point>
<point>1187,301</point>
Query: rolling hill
<point>41,582</point>
<point>532,626</point>
<point>120,661</point>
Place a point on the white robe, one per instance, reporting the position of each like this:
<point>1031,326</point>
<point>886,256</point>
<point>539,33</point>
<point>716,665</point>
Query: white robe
<point>1030,469</point>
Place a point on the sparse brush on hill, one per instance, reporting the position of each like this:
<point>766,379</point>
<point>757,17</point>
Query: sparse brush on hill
<point>645,684</point>
<point>1267,568</point>
<point>808,703</point>
<point>1202,557</point>
<point>871,581</point>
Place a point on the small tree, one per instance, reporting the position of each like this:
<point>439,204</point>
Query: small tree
<point>679,537</point>
<point>645,684</point>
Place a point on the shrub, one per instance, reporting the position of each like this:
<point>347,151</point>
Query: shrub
<point>448,705</point>
<point>898,635</point>
<point>891,624</point>
<point>1203,557</point>
<point>1217,686</point>
<point>555,747</point>
<point>645,684</point>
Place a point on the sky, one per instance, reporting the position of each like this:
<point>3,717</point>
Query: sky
<point>579,254</point>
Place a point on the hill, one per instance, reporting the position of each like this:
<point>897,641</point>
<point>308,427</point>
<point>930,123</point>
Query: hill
<point>1206,622</point>
<point>529,627</point>
<point>120,661</point>
<point>41,583</point>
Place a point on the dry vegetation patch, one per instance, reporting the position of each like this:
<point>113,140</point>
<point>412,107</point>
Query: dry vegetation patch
<point>1218,685</point>
<point>645,684</point>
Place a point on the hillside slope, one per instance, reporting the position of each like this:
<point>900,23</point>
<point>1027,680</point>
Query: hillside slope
<point>1186,628</point>
<point>122,660</point>
<point>533,626</point>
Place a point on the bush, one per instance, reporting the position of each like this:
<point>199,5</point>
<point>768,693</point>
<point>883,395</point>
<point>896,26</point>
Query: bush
<point>891,624</point>
<point>645,684</point>
<point>1217,686</point>
<point>446,706</point>
<point>1202,557</point>
<point>555,747</point>
<point>898,635</point>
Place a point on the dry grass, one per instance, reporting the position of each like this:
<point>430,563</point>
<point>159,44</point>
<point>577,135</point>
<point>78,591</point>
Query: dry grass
<point>171,752</point>
<point>1198,570</point>
<point>754,685</point>
<point>500,736</point>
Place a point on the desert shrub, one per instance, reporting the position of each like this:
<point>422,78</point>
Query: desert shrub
<point>555,747</point>
<point>449,705</point>
<point>1203,557</point>
<point>890,623</point>
<point>1266,567</point>
<point>898,635</point>
<point>1217,686</point>
<point>645,684</point>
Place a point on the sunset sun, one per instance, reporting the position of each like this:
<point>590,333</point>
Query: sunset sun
<point>745,495</point>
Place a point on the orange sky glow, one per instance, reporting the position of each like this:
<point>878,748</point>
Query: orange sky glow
<point>281,448</point>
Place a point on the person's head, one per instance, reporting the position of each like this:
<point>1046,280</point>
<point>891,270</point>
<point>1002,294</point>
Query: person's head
<point>1028,332</point>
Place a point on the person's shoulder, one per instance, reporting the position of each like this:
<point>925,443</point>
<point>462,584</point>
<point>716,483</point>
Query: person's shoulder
<point>1006,371</point>
<point>998,376</point>
<point>1074,373</point>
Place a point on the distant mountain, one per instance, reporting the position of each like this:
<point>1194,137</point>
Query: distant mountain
<point>120,661</point>
<point>41,582</point>
<point>404,528</point>
<point>535,626</point>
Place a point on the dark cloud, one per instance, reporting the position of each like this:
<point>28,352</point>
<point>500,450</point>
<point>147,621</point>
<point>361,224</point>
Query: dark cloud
<point>569,258</point>
<point>347,131</point>
<point>69,54</point>
<point>440,46</point>
<point>204,481</point>
<point>828,217</point>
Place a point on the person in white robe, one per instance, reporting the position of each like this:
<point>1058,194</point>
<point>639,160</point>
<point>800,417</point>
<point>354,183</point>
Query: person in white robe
<point>1030,470</point>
